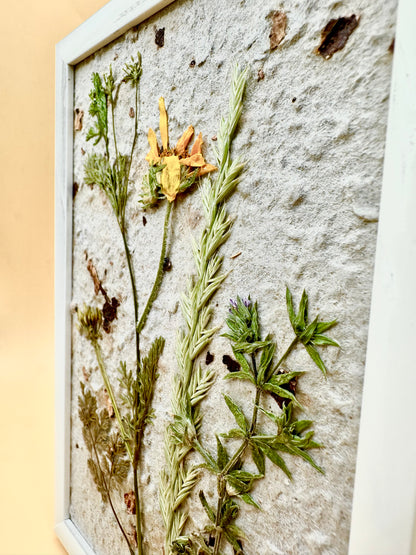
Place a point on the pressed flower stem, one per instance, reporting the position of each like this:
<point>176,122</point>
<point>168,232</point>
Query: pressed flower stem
<point>159,274</point>
<point>107,490</point>
<point>110,392</point>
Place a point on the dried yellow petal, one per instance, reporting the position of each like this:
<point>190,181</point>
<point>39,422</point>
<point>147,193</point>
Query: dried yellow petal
<point>206,168</point>
<point>163,124</point>
<point>171,177</point>
<point>153,155</point>
<point>194,161</point>
<point>197,148</point>
<point>183,142</point>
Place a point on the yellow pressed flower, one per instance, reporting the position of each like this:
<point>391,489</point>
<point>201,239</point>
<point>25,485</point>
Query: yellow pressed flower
<point>174,158</point>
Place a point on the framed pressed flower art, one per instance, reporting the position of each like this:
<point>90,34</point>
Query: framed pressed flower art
<point>219,169</point>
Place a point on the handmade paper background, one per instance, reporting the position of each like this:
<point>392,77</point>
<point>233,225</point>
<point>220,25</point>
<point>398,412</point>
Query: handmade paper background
<point>312,135</point>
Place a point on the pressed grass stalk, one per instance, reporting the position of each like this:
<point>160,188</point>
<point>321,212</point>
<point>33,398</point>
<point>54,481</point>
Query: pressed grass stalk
<point>191,382</point>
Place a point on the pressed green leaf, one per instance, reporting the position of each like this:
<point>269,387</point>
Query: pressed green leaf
<point>300,426</point>
<point>293,450</point>
<point>246,497</point>
<point>240,375</point>
<point>284,377</point>
<point>210,512</point>
<point>290,310</point>
<point>306,335</point>
<point>275,458</point>
<point>266,360</point>
<point>241,359</point>
<point>235,433</point>
<point>237,413</point>
<point>237,485</point>
<point>324,326</point>
<point>250,348</point>
<point>281,392</point>
<point>222,456</point>
<point>302,317</point>
<point>319,339</point>
<point>211,464</point>
<point>258,457</point>
<point>313,353</point>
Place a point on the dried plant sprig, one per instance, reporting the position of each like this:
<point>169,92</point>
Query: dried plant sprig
<point>191,382</point>
<point>255,357</point>
<point>90,323</point>
<point>107,462</point>
<point>112,176</point>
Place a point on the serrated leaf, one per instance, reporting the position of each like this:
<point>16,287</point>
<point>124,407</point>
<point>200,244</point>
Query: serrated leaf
<point>313,353</point>
<point>237,413</point>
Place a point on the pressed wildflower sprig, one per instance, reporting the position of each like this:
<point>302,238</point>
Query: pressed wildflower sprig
<point>111,172</point>
<point>287,434</point>
<point>191,382</point>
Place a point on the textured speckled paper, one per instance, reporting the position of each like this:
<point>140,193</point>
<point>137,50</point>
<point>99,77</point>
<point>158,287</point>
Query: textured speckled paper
<point>312,135</point>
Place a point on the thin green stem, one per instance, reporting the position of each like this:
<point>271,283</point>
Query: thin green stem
<point>286,354</point>
<point>134,291</point>
<point>138,512</point>
<point>159,275</point>
<point>110,392</point>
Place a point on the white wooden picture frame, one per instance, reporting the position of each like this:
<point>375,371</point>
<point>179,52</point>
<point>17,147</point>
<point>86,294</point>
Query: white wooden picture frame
<point>385,488</point>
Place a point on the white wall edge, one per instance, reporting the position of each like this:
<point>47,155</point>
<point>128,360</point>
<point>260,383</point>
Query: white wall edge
<point>383,515</point>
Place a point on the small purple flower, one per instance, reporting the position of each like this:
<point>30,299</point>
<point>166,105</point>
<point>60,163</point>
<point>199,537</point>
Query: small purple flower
<point>233,304</point>
<point>247,302</point>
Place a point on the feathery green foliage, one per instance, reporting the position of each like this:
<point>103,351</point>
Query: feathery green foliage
<point>191,383</point>
<point>255,357</point>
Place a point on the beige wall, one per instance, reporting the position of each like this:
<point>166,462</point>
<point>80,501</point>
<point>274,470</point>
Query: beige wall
<point>27,40</point>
